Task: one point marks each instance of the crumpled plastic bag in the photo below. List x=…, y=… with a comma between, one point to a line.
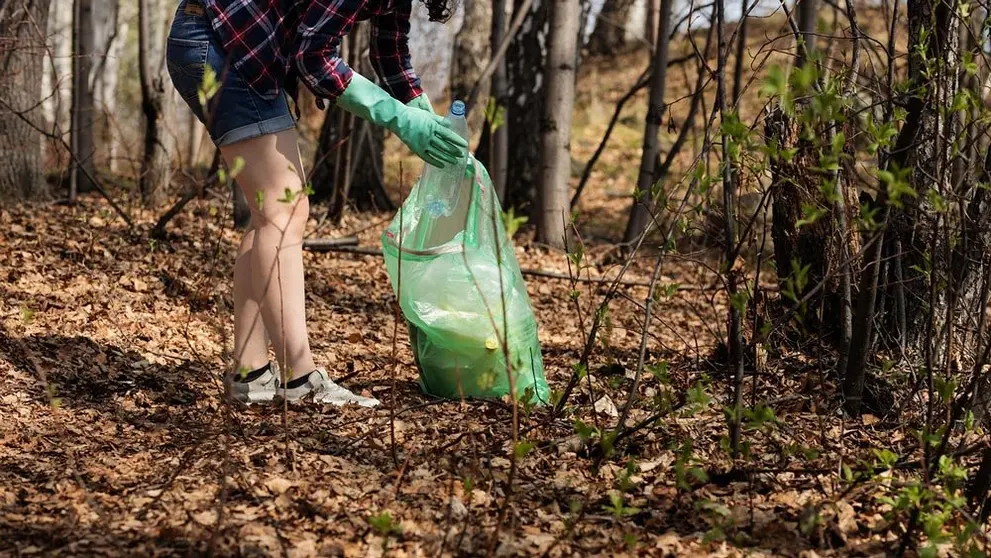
x=459, y=285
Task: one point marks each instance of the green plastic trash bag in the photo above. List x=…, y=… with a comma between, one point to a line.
x=461, y=291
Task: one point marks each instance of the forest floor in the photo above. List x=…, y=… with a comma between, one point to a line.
x=114, y=437
x=129, y=448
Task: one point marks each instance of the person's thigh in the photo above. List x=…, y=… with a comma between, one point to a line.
x=269, y=166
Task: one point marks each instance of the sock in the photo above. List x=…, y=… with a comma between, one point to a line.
x=297, y=382
x=253, y=375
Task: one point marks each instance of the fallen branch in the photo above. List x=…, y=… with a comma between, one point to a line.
x=349, y=244
x=606, y=280
x=329, y=244
x=158, y=231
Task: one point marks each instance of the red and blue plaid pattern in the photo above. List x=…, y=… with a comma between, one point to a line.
x=270, y=41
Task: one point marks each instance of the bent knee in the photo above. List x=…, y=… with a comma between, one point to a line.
x=286, y=208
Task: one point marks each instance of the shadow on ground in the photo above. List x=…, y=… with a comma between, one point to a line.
x=82, y=372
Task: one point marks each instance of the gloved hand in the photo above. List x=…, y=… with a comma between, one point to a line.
x=421, y=102
x=425, y=133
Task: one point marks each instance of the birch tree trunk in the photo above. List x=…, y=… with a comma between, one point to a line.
x=941, y=277
x=642, y=199
x=194, y=139
x=555, y=177
x=22, y=28
x=109, y=36
x=935, y=77
x=57, y=68
x=156, y=162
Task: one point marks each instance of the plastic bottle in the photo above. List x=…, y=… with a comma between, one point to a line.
x=445, y=184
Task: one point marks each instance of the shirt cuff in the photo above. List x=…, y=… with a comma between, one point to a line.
x=403, y=88
x=327, y=83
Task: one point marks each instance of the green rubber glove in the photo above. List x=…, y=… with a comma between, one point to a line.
x=425, y=133
x=421, y=102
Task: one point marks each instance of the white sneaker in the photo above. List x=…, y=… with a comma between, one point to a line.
x=261, y=388
x=324, y=390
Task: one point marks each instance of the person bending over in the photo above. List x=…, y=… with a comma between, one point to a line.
x=259, y=50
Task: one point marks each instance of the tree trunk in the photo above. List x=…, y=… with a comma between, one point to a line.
x=609, y=35
x=156, y=163
x=556, y=137
x=643, y=198
x=83, y=110
x=653, y=22
x=347, y=165
x=498, y=140
x=110, y=34
x=471, y=54
x=741, y=52
x=524, y=104
x=917, y=224
x=22, y=31
x=194, y=131
x=807, y=17
x=980, y=486
x=805, y=253
x=941, y=280
x=57, y=68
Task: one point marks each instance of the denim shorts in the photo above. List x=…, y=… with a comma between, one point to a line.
x=235, y=113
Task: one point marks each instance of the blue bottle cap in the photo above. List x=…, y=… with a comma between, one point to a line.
x=458, y=108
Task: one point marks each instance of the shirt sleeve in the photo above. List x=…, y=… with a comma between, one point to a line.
x=389, y=53
x=318, y=52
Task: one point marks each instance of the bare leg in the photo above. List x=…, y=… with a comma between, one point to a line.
x=250, y=337
x=271, y=168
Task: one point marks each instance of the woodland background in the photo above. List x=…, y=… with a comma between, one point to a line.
x=755, y=235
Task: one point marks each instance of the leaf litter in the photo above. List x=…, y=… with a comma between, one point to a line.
x=115, y=439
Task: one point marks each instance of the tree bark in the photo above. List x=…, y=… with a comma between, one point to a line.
x=499, y=138
x=57, y=68
x=917, y=224
x=471, y=53
x=22, y=32
x=194, y=131
x=156, y=163
x=109, y=34
x=941, y=280
x=808, y=12
x=643, y=198
x=82, y=141
x=653, y=22
x=854, y=377
x=525, y=104
x=741, y=52
x=556, y=137
x=805, y=253
x=609, y=35
x=348, y=163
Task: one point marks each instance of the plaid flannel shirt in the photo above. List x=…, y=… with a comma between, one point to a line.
x=271, y=42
